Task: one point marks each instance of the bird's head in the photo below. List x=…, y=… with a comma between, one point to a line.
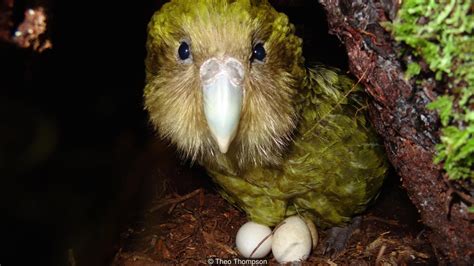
x=222, y=77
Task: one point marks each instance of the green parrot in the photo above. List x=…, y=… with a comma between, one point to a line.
x=226, y=83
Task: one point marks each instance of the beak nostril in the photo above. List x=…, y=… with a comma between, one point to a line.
x=235, y=68
x=209, y=70
x=213, y=67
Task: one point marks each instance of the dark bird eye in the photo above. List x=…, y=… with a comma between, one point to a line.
x=259, y=52
x=183, y=51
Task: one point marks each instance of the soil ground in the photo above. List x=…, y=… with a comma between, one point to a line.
x=189, y=229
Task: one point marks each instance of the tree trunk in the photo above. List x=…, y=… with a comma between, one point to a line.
x=409, y=130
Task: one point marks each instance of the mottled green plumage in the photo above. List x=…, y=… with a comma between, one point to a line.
x=332, y=170
x=303, y=144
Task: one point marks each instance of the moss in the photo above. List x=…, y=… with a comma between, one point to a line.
x=413, y=69
x=440, y=33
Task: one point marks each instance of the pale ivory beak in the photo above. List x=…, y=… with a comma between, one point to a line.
x=222, y=90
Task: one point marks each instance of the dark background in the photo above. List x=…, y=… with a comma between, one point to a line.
x=75, y=144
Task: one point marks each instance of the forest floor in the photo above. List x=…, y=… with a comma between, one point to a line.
x=193, y=228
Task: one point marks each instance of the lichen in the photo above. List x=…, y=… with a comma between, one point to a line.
x=440, y=34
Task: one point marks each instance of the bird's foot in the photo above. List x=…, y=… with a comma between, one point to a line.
x=338, y=237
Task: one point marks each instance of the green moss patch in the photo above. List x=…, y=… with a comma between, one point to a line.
x=441, y=34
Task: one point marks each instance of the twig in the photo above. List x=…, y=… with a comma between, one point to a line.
x=133, y=256
x=117, y=256
x=378, y=219
x=175, y=200
x=380, y=254
x=141, y=257
x=209, y=238
x=173, y=206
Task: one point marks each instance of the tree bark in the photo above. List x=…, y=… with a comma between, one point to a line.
x=409, y=130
